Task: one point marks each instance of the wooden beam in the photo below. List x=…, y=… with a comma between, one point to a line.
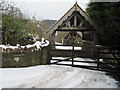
x=52, y=38
x=69, y=17
x=75, y=20
x=81, y=23
x=64, y=28
x=83, y=20
x=71, y=28
x=80, y=30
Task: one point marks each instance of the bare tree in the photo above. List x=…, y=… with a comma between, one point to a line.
x=4, y=5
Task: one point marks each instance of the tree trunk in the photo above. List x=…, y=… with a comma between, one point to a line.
x=5, y=39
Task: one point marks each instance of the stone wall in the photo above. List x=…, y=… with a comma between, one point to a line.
x=25, y=59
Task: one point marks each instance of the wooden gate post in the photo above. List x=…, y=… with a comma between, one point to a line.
x=52, y=39
x=88, y=47
x=49, y=54
x=72, y=55
x=98, y=54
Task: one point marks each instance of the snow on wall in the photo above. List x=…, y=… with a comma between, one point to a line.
x=38, y=44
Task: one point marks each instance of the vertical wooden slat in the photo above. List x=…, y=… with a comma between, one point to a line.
x=52, y=38
x=73, y=55
x=82, y=35
x=49, y=57
x=75, y=20
x=98, y=58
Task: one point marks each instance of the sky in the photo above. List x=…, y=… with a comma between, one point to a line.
x=47, y=9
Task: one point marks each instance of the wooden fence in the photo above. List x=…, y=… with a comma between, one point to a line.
x=106, y=64
x=110, y=59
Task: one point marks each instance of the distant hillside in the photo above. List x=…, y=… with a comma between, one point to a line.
x=49, y=23
x=45, y=25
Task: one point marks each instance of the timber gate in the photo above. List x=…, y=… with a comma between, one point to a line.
x=99, y=61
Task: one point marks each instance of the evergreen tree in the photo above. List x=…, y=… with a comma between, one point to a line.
x=107, y=16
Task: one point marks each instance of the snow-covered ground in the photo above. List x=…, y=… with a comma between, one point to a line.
x=53, y=76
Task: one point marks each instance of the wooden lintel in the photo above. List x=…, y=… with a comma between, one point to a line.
x=71, y=28
x=74, y=29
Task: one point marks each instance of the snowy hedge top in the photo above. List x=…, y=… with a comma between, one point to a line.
x=38, y=44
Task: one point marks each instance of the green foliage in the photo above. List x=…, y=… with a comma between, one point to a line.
x=13, y=29
x=107, y=16
x=44, y=26
x=18, y=29
x=11, y=23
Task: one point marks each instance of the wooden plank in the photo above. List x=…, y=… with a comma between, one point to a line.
x=59, y=45
x=52, y=38
x=109, y=53
x=65, y=50
x=114, y=56
x=91, y=68
x=49, y=54
x=60, y=50
x=109, y=68
x=109, y=58
x=106, y=68
x=60, y=60
x=73, y=30
x=64, y=28
x=109, y=63
x=75, y=20
x=73, y=55
x=96, y=62
x=85, y=61
x=107, y=47
x=98, y=54
x=75, y=61
x=76, y=65
x=84, y=56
